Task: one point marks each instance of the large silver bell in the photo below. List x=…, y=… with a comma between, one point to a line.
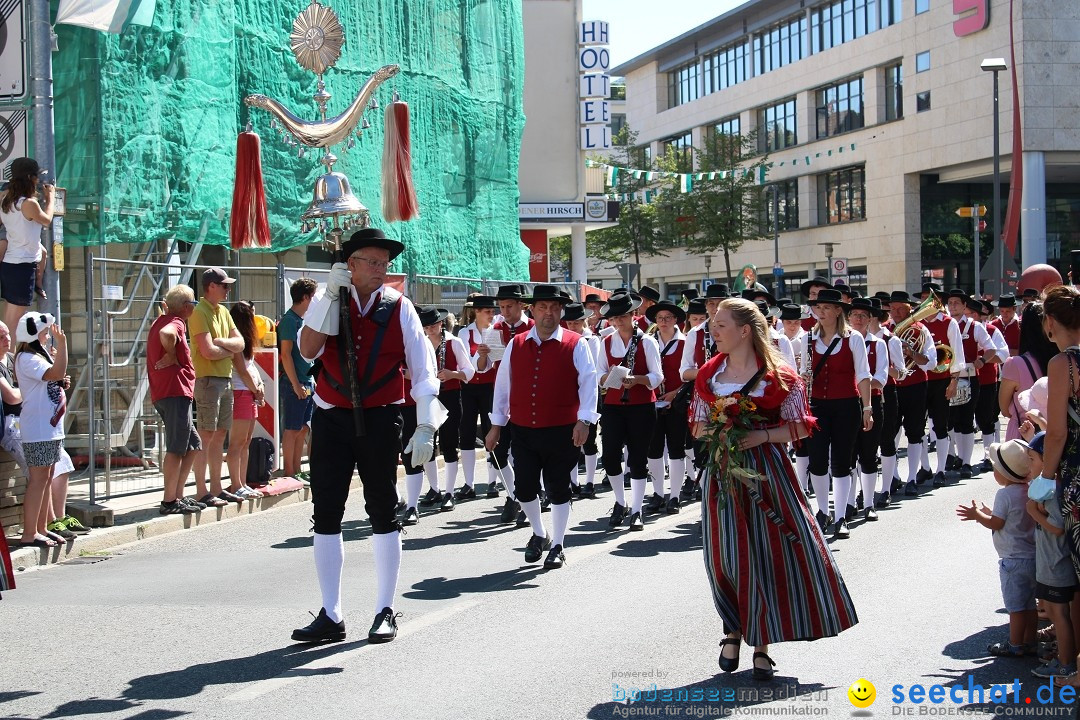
x=333, y=197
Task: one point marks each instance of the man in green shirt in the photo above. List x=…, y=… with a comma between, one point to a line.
x=214, y=341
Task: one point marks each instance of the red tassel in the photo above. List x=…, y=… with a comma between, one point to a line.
x=399, y=195
x=249, y=226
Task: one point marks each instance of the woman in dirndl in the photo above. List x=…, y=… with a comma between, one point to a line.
x=773, y=577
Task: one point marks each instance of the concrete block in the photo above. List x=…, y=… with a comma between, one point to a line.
x=91, y=515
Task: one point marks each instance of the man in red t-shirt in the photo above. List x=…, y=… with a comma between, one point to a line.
x=172, y=390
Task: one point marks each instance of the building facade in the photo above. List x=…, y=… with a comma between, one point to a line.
x=878, y=124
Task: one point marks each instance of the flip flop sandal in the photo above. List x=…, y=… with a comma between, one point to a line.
x=38, y=543
x=1066, y=681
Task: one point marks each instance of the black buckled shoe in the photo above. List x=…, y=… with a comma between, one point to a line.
x=763, y=673
x=464, y=493
x=522, y=519
x=851, y=513
x=447, y=503
x=896, y=486
x=923, y=475
x=952, y=462
x=729, y=665
x=555, y=558
x=938, y=480
x=870, y=514
x=966, y=472
x=636, y=523
x=985, y=466
x=618, y=514
x=822, y=521
x=672, y=506
x=384, y=629
x=840, y=530
x=536, y=547
x=401, y=505
x=687, y=490
x=411, y=517
x=883, y=500
x=655, y=504
x=493, y=490
x=575, y=490
x=321, y=629
x=433, y=496
x=509, y=511
x=588, y=492
x=911, y=489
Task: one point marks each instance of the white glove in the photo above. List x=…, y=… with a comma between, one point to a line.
x=421, y=445
x=339, y=278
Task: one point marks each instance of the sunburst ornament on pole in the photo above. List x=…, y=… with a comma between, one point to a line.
x=317, y=38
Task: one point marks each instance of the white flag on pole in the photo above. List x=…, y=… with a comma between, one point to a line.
x=110, y=16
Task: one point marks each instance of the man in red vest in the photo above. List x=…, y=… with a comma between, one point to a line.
x=387, y=334
x=1007, y=323
x=549, y=423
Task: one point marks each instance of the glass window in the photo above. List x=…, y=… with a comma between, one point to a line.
x=779, y=45
x=842, y=21
x=727, y=133
x=729, y=126
x=778, y=125
x=725, y=67
x=683, y=84
x=682, y=148
x=921, y=6
x=787, y=203
x=894, y=92
x=840, y=108
x=922, y=101
x=842, y=196
x=618, y=122
x=922, y=62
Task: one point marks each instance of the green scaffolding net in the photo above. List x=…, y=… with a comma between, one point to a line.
x=146, y=124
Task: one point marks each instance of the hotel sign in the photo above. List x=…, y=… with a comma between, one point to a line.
x=594, y=85
x=975, y=16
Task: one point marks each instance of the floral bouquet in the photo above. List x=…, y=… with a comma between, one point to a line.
x=730, y=418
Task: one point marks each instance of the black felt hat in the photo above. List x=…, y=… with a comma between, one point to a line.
x=620, y=304
x=902, y=296
x=769, y=311
x=431, y=316
x=791, y=311
x=678, y=312
x=649, y=293
x=696, y=307
x=1030, y=293
x=482, y=302
x=690, y=293
x=576, y=311
x=1006, y=301
x=829, y=296
x=717, y=290
x=927, y=287
x=957, y=293
x=866, y=304
x=371, y=237
x=548, y=292
x=510, y=292
x=812, y=282
x=752, y=294
x=593, y=298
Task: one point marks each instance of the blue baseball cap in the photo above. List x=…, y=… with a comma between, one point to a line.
x=1036, y=443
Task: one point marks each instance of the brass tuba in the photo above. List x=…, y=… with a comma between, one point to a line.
x=912, y=337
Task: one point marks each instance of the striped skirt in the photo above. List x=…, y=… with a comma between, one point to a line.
x=773, y=577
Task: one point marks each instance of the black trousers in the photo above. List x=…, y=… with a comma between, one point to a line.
x=546, y=451
x=670, y=429
x=889, y=425
x=911, y=412
x=628, y=426
x=336, y=453
x=987, y=410
x=839, y=424
x=962, y=417
x=937, y=406
x=408, y=427
x=476, y=403
x=446, y=438
x=869, y=442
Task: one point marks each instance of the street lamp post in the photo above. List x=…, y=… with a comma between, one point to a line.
x=708, y=264
x=778, y=269
x=828, y=259
x=996, y=65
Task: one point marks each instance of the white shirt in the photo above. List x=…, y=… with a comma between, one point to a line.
x=461, y=354
x=586, y=372
x=253, y=371
x=41, y=399
x=419, y=355
x=858, y=352
x=896, y=348
x=973, y=328
x=784, y=345
x=24, y=236
x=618, y=350
x=592, y=340
x=690, y=348
x=797, y=346
x=880, y=372
x=472, y=334
x=998, y=338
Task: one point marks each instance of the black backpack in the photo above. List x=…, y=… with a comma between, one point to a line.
x=260, y=461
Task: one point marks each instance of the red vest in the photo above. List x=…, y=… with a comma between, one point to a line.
x=988, y=373
x=670, y=364
x=871, y=360
x=329, y=384
x=939, y=331
x=544, y=382
x=967, y=338
x=836, y=380
x=700, y=356
x=509, y=332
x=488, y=376
x=1010, y=333
x=917, y=375
x=639, y=394
x=450, y=364
x=808, y=324
x=642, y=322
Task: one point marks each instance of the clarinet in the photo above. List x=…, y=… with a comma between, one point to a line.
x=628, y=361
x=442, y=355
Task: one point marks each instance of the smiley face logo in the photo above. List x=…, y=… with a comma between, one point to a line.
x=862, y=693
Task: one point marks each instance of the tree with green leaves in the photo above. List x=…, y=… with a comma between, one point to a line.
x=723, y=211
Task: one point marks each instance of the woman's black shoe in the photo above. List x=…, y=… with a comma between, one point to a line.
x=729, y=665
x=384, y=629
x=636, y=522
x=589, y=492
x=411, y=517
x=765, y=673
x=618, y=514
x=536, y=547
x=433, y=496
x=321, y=629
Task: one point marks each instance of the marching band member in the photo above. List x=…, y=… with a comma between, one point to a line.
x=1007, y=323
x=889, y=405
x=941, y=385
x=810, y=290
x=629, y=411
x=910, y=385
x=550, y=421
x=979, y=351
x=839, y=377
x=453, y=368
x=671, y=427
x=697, y=349
x=986, y=409
x=863, y=317
x=649, y=297
x=593, y=302
x=577, y=318
x=779, y=340
x=696, y=314
x=791, y=317
x=511, y=323
x=476, y=395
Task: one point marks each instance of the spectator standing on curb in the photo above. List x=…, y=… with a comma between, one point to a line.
x=23, y=216
x=214, y=341
x=172, y=391
x=248, y=395
x=296, y=385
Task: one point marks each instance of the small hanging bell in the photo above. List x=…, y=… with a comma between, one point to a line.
x=374, y=104
x=351, y=144
x=300, y=152
x=365, y=125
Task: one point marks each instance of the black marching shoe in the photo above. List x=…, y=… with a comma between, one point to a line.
x=923, y=475
x=636, y=523
x=729, y=665
x=411, y=517
x=509, y=511
x=447, y=503
x=985, y=466
x=966, y=472
x=687, y=490
x=575, y=490
x=840, y=530
x=433, y=496
x=555, y=558
x=522, y=519
x=321, y=629
x=655, y=504
x=588, y=492
x=535, y=548
x=618, y=514
x=672, y=506
x=464, y=493
x=870, y=514
x=822, y=521
x=606, y=482
x=493, y=490
x=851, y=514
x=763, y=673
x=384, y=629
x=938, y=481
x=911, y=489
x=896, y=486
x=882, y=500
x=952, y=462
x=400, y=506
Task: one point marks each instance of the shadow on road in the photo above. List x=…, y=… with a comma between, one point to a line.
x=686, y=539
x=442, y=588
x=12, y=695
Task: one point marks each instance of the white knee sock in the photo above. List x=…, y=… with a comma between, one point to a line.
x=431, y=469
x=451, y=478
x=590, y=468
x=656, y=469
x=967, y=447
x=954, y=438
x=914, y=460
x=574, y=476
x=387, y=547
x=853, y=488
x=841, y=488
x=413, y=485
x=943, y=446
x=802, y=475
x=560, y=519
x=988, y=440
x=532, y=511
x=997, y=433
x=493, y=475
x=507, y=476
x=468, y=466
x=637, y=487
x=617, y=488
x=821, y=490
x=329, y=560
x=925, y=452
x=677, y=472
x=888, y=468
x=869, y=482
